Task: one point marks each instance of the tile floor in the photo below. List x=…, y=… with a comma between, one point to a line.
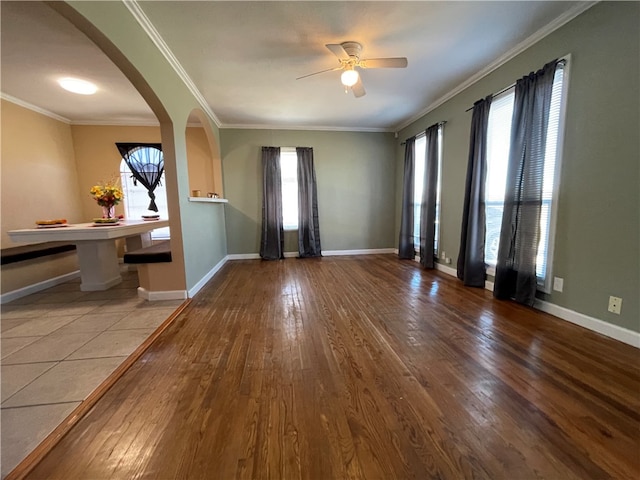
x=57, y=346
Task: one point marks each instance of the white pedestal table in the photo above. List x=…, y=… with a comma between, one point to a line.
x=96, y=246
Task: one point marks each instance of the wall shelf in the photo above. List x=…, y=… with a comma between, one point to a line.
x=208, y=200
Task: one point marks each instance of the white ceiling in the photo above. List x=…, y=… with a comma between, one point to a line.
x=244, y=57
x=39, y=46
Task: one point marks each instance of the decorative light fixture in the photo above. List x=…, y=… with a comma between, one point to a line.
x=75, y=85
x=349, y=77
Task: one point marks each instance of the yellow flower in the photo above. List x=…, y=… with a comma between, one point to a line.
x=107, y=193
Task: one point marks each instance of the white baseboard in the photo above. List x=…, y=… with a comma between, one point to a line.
x=198, y=286
x=454, y=273
x=326, y=253
x=600, y=326
x=255, y=256
x=594, y=324
x=365, y=251
x=448, y=270
x=243, y=256
x=162, y=295
x=38, y=287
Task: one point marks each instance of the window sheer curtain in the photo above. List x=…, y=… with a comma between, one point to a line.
x=308, y=225
x=272, y=238
x=520, y=231
x=146, y=162
x=429, y=196
x=471, y=266
x=406, y=249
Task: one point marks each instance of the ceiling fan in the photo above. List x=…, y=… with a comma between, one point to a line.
x=348, y=54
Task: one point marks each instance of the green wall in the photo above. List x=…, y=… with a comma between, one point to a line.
x=597, y=239
x=359, y=174
x=355, y=172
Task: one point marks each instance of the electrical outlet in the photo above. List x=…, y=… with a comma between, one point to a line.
x=443, y=255
x=558, y=284
x=447, y=260
x=615, y=305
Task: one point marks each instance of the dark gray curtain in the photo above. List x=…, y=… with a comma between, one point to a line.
x=471, y=266
x=406, y=249
x=428, y=203
x=308, y=226
x=520, y=231
x=146, y=162
x=272, y=241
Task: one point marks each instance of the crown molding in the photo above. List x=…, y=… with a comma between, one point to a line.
x=151, y=123
x=139, y=15
x=55, y=116
x=158, y=41
x=117, y=123
x=308, y=128
x=563, y=19
x=34, y=108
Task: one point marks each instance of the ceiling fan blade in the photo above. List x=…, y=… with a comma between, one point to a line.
x=321, y=71
x=338, y=50
x=358, y=88
x=397, y=62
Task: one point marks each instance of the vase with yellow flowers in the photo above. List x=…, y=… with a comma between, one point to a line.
x=107, y=195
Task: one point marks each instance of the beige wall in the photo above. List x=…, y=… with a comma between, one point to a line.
x=39, y=179
x=199, y=161
x=29, y=272
x=116, y=32
x=48, y=168
x=39, y=182
x=98, y=159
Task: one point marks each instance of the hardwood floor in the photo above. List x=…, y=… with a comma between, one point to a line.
x=361, y=367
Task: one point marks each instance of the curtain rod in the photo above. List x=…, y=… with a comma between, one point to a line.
x=494, y=95
x=438, y=123
x=562, y=61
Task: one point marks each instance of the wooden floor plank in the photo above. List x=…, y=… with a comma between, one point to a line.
x=361, y=367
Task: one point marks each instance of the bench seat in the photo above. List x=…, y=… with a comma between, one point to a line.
x=37, y=250
x=156, y=253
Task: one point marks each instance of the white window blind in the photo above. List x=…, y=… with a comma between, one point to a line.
x=418, y=181
x=289, y=175
x=438, y=193
x=418, y=187
x=498, y=140
x=550, y=175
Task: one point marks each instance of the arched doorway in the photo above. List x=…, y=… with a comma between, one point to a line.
x=175, y=276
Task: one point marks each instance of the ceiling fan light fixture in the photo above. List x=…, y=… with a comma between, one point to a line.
x=348, y=54
x=76, y=85
x=349, y=78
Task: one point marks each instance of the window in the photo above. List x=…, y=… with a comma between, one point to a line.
x=289, y=173
x=418, y=186
x=136, y=200
x=436, y=239
x=498, y=139
x=418, y=183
